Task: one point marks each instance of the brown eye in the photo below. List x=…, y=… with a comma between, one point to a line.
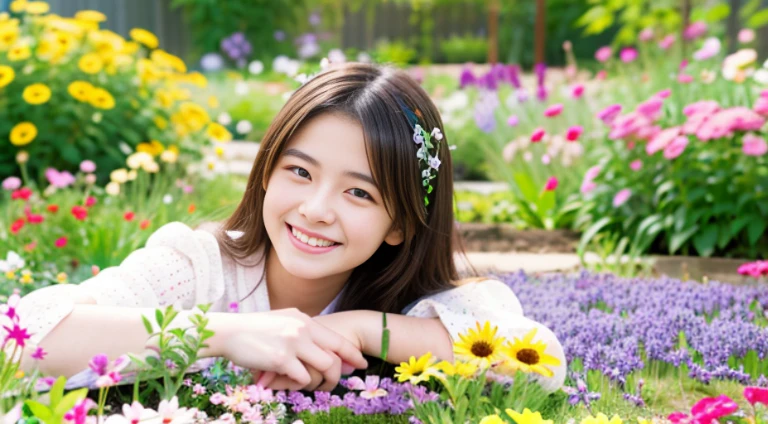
x=361, y=193
x=301, y=172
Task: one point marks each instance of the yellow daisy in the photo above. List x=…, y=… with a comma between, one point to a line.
x=101, y=99
x=602, y=419
x=36, y=94
x=527, y=417
x=480, y=347
x=416, y=370
x=23, y=133
x=463, y=369
x=80, y=90
x=90, y=63
x=19, y=52
x=144, y=37
x=90, y=16
x=217, y=132
x=492, y=419
x=7, y=75
x=8, y=35
x=17, y=6
x=37, y=7
x=527, y=356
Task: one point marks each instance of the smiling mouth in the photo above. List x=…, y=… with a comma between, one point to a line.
x=310, y=241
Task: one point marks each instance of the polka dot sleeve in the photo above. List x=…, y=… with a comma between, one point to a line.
x=490, y=300
x=177, y=266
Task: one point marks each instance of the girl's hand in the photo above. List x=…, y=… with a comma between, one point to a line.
x=286, y=342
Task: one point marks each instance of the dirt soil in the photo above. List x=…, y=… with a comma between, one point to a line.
x=505, y=238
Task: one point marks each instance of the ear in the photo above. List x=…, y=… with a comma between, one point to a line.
x=394, y=237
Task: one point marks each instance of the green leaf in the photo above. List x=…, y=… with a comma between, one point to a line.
x=758, y=20
x=739, y=224
x=705, y=241
x=70, y=400
x=724, y=235
x=147, y=324
x=718, y=12
x=663, y=188
x=678, y=239
x=39, y=410
x=57, y=391
x=591, y=232
x=546, y=202
x=755, y=229
x=527, y=188
x=159, y=317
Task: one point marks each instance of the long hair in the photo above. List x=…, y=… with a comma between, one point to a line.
x=384, y=101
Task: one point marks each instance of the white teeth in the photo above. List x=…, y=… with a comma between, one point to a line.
x=312, y=241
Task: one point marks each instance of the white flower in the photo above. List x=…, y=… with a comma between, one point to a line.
x=434, y=163
x=244, y=127
x=12, y=262
x=224, y=119
x=761, y=76
x=167, y=199
x=426, y=173
x=256, y=67
x=324, y=63
x=337, y=56
x=241, y=88
x=96, y=117
x=363, y=57
x=211, y=62
x=437, y=134
x=113, y=188
x=125, y=148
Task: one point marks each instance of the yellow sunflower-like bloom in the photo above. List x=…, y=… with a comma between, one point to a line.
x=154, y=148
x=194, y=116
x=144, y=37
x=36, y=94
x=23, y=133
x=8, y=35
x=90, y=63
x=463, y=369
x=7, y=74
x=492, y=419
x=602, y=419
x=37, y=8
x=527, y=417
x=164, y=59
x=90, y=16
x=160, y=122
x=416, y=370
x=101, y=99
x=19, y=52
x=480, y=347
x=527, y=356
x=217, y=132
x=18, y=6
x=26, y=277
x=80, y=90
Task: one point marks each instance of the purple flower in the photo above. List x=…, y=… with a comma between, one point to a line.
x=434, y=163
x=279, y=35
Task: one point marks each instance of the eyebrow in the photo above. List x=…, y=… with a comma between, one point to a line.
x=301, y=155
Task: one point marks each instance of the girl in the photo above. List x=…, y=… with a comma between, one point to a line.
x=348, y=213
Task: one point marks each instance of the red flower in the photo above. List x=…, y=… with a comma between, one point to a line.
x=61, y=242
x=90, y=201
x=538, y=134
x=755, y=395
x=574, y=133
x=95, y=270
x=34, y=218
x=144, y=224
x=79, y=212
x=128, y=216
x=17, y=225
x=53, y=208
x=22, y=193
x=551, y=184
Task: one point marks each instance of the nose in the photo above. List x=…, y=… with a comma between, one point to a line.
x=317, y=207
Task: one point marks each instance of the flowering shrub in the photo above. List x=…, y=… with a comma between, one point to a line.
x=71, y=91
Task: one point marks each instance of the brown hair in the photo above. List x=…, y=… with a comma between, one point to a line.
x=371, y=95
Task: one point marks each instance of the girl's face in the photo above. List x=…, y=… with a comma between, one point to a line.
x=322, y=192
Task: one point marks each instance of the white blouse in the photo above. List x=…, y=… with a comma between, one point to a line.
x=185, y=267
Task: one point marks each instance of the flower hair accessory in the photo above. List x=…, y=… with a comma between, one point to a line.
x=427, y=155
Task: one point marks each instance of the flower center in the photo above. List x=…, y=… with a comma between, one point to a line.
x=482, y=349
x=528, y=356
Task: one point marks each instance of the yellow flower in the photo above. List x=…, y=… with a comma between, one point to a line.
x=220, y=152
x=213, y=102
x=160, y=122
x=463, y=369
x=147, y=70
x=480, y=347
x=90, y=63
x=217, y=132
x=7, y=75
x=90, y=16
x=164, y=98
x=61, y=278
x=527, y=417
x=193, y=116
x=197, y=79
x=166, y=60
x=37, y=7
x=18, y=6
x=19, y=374
x=8, y=35
x=19, y=52
x=526, y=356
x=23, y=133
x=154, y=148
x=416, y=370
x=80, y=90
x=101, y=98
x=144, y=37
x=492, y=419
x=36, y=94
x=10, y=275
x=602, y=419
x=26, y=277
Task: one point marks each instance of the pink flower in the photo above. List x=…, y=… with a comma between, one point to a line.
x=17, y=334
x=667, y=42
x=646, y=34
x=628, y=55
x=709, y=49
x=603, y=54
x=553, y=110
x=662, y=140
x=676, y=147
x=79, y=413
x=727, y=121
x=61, y=242
x=87, y=166
x=90, y=201
x=695, y=30
x=663, y=94
x=574, y=133
x=710, y=409
x=11, y=183
x=39, y=354
x=538, y=135
x=199, y=389
x=545, y=159
x=79, y=212
x=369, y=389
x=761, y=106
x=707, y=107
x=59, y=179
x=621, y=197
x=684, y=79
x=754, y=145
x=755, y=269
x=234, y=307
x=636, y=164
x=513, y=120
x=651, y=107
x=746, y=35
x=551, y=184
x=109, y=374
x=587, y=186
x=577, y=91
x=601, y=75
x=592, y=173
x=610, y=113
x=755, y=395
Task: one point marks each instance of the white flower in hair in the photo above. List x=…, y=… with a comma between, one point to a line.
x=418, y=138
x=437, y=134
x=425, y=173
x=434, y=162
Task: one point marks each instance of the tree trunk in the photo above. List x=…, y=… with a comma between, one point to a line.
x=540, y=31
x=733, y=26
x=493, y=31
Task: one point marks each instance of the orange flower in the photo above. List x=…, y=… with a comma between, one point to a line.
x=191, y=208
x=144, y=224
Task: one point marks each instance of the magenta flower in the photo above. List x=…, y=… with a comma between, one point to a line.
x=761, y=106
x=513, y=120
x=661, y=140
x=11, y=183
x=755, y=269
x=467, y=77
x=574, y=133
x=663, y=94
x=87, y=166
x=603, y=54
x=79, y=414
x=684, y=78
x=645, y=35
x=621, y=197
x=676, y=147
x=628, y=55
x=667, y=42
x=551, y=184
x=755, y=395
x=538, y=135
x=651, y=108
x=17, y=334
x=695, y=30
x=577, y=91
x=710, y=409
x=234, y=307
x=610, y=113
x=109, y=374
x=553, y=110
x=59, y=179
x=754, y=145
x=39, y=354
